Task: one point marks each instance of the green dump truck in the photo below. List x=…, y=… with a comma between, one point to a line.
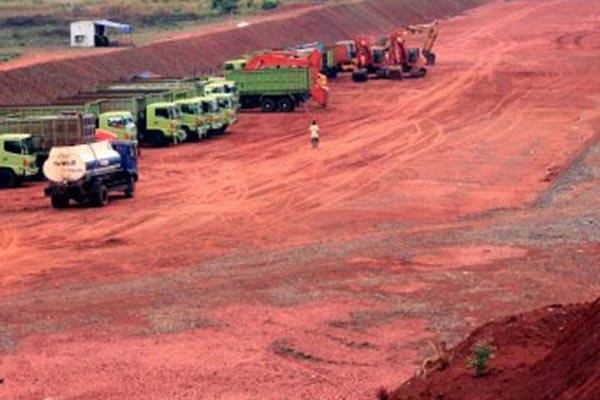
x=158, y=120
x=26, y=142
x=120, y=123
x=274, y=89
x=181, y=91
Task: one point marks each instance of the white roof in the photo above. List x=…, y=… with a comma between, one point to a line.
x=124, y=28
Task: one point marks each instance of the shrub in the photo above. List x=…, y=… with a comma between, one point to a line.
x=482, y=354
x=225, y=6
x=269, y=4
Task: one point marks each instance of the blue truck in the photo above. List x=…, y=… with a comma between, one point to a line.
x=87, y=173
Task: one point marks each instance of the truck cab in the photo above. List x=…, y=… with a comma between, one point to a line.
x=225, y=89
x=121, y=123
x=194, y=119
x=239, y=63
x=17, y=159
x=215, y=115
x=164, y=124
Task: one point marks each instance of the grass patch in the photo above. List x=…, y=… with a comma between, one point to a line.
x=40, y=23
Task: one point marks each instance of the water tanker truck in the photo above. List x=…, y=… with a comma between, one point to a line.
x=89, y=173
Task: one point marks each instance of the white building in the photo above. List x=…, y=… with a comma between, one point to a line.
x=95, y=33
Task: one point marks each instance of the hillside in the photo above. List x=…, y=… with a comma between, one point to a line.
x=206, y=50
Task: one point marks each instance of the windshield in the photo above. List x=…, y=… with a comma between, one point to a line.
x=230, y=88
x=27, y=146
x=224, y=103
x=173, y=113
x=210, y=107
x=188, y=109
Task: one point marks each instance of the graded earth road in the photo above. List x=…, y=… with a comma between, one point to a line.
x=250, y=266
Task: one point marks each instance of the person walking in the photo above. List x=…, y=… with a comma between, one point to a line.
x=314, y=134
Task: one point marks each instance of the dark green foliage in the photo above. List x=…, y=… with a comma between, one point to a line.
x=482, y=354
x=225, y=6
x=269, y=4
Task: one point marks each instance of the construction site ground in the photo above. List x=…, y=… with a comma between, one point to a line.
x=253, y=267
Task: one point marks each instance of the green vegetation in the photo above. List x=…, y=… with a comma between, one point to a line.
x=41, y=23
x=482, y=354
x=269, y=4
x=7, y=56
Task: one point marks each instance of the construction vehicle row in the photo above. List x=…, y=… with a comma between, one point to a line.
x=156, y=111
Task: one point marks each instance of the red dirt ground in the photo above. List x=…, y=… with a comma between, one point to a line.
x=551, y=353
x=250, y=266
x=34, y=81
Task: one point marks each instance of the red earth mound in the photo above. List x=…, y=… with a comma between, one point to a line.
x=206, y=50
x=550, y=353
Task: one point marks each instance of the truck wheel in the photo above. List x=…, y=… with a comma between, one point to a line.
x=7, y=178
x=157, y=139
x=130, y=189
x=100, y=196
x=267, y=105
x=59, y=201
x=360, y=75
x=331, y=73
x=285, y=105
x=191, y=136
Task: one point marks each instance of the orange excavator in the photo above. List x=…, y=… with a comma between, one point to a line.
x=388, y=60
x=429, y=32
x=370, y=59
x=290, y=59
x=402, y=61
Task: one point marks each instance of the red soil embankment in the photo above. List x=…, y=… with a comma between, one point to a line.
x=43, y=82
x=550, y=353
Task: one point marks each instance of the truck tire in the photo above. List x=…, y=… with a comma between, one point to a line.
x=191, y=136
x=157, y=139
x=100, y=196
x=360, y=75
x=268, y=105
x=130, y=189
x=59, y=201
x=8, y=178
x=285, y=105
x=331, y=73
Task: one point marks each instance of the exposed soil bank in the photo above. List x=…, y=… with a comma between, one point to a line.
x=550, y=353
x=189, y=54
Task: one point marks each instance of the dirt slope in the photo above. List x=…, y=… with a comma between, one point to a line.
x=207, y=50
x=251, y=267
x=551, y=353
